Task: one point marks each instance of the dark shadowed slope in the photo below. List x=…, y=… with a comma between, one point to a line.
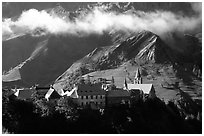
x=50, y=57
x=17, y=50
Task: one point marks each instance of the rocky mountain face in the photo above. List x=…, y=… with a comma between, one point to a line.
x=15, y=8
x=42, y=58
x=139, y=49
x=144, y=46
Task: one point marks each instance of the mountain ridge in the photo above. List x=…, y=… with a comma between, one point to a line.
x=145, y=46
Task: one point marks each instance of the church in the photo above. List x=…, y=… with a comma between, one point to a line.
x=147, y=90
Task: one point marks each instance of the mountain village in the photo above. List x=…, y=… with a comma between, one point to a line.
x=102, y=67
x=97, y=95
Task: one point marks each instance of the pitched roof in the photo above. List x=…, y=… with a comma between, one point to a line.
x=74, y=93
x=49, y=92
x=10, y=92
x=118, y=93
x=42, y=92
x=146, y=88
x=24, y=93
x=90, y=89
x=52, y=94
x=58, y=87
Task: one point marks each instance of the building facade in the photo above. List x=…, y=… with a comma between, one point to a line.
x=102, y=94
x=117, y=96
x=90, y=94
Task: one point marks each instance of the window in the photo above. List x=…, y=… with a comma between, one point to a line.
x=81, y=97
x=96, y=96
x=91, y=96
x=82, y=104
x=87, y=97
x=101, y=97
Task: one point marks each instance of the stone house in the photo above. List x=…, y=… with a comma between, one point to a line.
x=90, y=94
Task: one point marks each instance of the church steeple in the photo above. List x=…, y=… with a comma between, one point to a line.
x=138, y=78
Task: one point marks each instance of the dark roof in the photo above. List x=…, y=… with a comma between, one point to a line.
x=118, y=93
x=42, y=88
x=90, y=89
x=42, y=91
x=10, y=92
x=25, y=93
x=54, y=95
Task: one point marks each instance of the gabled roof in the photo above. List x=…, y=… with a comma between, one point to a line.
x=74, y=93
x=24, y=93
x=10, y=92
x=90, y=89
x=146, y=88
x=52, y=94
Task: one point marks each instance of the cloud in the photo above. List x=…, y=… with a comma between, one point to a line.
x=99, y=20
x=197, y=7
x=33, y=19
x=6, y=30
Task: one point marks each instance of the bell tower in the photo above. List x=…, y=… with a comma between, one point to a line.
x=138, y=78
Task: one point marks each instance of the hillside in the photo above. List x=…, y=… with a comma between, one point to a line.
x=160, y=65
x=49, y=54
x=47, y=57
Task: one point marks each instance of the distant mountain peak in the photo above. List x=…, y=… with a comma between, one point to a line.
x=144, y=46
x=59, y=11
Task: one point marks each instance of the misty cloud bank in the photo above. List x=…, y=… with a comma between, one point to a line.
x=99, y=20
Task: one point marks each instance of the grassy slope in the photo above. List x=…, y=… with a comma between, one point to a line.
x=154, y=74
